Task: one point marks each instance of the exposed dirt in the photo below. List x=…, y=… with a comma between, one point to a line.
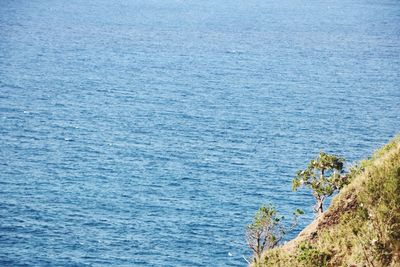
x=332, y=217
x=328, y=219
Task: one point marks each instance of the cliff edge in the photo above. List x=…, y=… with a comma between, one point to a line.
x=362, y=225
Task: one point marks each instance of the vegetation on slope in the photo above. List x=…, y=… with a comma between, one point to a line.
x=361, y=226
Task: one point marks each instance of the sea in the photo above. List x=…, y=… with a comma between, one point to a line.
x=148, y=133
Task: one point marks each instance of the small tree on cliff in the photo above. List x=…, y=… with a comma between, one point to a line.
x=324, y=176
x=267, y=230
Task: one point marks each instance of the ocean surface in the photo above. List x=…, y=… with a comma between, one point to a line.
x=148, y=133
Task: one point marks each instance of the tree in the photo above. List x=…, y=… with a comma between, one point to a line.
x=324, y=176
x=267, y=229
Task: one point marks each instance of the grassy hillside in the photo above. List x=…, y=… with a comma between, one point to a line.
x=361, y=226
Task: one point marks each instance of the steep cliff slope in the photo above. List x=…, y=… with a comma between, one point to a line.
x=361, y=226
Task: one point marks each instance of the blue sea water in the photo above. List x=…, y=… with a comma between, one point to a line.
x=147, y=133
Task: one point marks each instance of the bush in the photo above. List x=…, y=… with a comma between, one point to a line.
x=267, y=230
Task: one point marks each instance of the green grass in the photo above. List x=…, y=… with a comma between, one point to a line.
x=361, y=226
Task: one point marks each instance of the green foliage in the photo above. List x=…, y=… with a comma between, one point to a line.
x=267, y=229
x=309, y=255
x=324, y=176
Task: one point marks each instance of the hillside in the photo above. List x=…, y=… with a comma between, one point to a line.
x=362, y=225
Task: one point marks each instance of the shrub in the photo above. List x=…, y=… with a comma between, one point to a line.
x=267, y=230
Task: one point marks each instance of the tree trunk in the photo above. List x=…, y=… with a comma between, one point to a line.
x=318, y=208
